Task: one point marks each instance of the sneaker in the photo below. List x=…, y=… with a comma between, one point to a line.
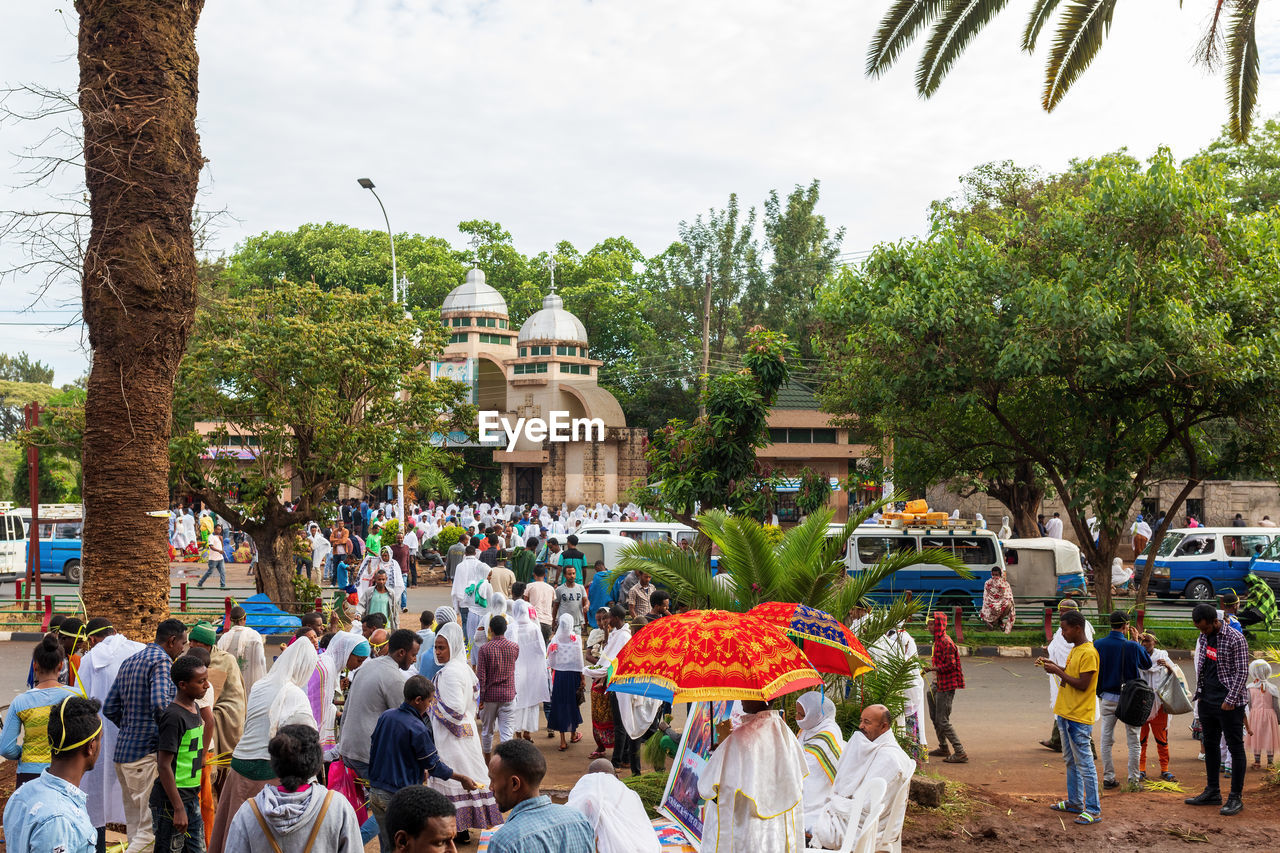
x=1110, y=784
x=1207, y=797
x=1234, y=805
x=958, y=758
x=940, y=752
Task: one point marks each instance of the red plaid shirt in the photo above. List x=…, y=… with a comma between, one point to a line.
x=496, y=670
x=947, y=674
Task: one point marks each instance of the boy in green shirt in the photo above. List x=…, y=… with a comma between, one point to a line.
x=175, y=797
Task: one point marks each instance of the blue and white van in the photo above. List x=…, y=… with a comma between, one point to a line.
x=979, y=549
x=1201, y=563
x=59, y=537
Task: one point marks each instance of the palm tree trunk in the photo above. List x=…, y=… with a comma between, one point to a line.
x=138, y=68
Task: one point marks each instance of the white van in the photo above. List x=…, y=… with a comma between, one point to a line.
x=1201, y=563
x=642, y=531
x=13, y=543
x=601, y=546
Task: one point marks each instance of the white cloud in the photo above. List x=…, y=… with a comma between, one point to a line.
x=566, y=119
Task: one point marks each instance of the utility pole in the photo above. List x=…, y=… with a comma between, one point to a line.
x=706, y=345
x=32, y=412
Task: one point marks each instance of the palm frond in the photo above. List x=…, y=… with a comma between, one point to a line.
x=1081, y=31
x=749, y=561
x=685, y=575
x=1040, y=14
x=880, y=620
x=1242, y=68
x=800, y=556
x=858, y=587
x=959, y=23
x=897, y=28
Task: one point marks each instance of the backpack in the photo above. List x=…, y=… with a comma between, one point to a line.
x=1136, y=701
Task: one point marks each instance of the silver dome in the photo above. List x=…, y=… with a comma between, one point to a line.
x=553, y=323
x=474, y=295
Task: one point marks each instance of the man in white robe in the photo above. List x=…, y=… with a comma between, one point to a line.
x=871, y=753
x=753, y=785
x=616, y=815
x=246, y=646
x=98, y=670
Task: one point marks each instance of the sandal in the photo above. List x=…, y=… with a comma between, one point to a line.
x=562, y=747
x=1085, y=819
x=577, y=736
x=1168, y=777
x=1064, y=806
x=599, y=753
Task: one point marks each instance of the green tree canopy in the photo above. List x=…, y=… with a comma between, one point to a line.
x=314, y=376
x=1132, y=313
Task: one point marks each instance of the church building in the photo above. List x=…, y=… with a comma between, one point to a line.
x=542, y=371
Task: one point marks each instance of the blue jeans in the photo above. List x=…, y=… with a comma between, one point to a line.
x=1082, y=774
x=162, y=825
x=222, y=573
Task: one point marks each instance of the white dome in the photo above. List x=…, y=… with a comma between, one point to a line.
x=474, y=295
x=553, y=323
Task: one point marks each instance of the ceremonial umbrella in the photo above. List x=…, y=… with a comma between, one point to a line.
x=829, y=645
x=711, y=655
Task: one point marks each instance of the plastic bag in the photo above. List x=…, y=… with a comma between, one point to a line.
x=343, y=780
x=1173, y=693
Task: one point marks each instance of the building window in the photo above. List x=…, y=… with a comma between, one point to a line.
x=563, y=350
x=456, y=322
x=490, y=322
x=502, y=324
x=524, y=369
x=802, y=436
x=581, y=369
x=524, y=352
x=458, y=338
x=486, y=338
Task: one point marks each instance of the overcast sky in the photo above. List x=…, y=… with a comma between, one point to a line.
x=575, y=120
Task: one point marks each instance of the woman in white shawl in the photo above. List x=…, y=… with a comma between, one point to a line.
x=568, y=689
x=822, y=742
x=346, y=652
x=531, y=668
x=278, y=699
x=496, y=606
x=457, y=737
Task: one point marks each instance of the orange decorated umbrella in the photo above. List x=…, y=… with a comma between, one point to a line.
x=827, y=643
x=711, y=655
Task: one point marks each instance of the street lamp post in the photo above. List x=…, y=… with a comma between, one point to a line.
x=398, y=294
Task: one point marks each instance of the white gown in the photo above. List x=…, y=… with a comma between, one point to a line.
x=753, y=786
x=98, y=670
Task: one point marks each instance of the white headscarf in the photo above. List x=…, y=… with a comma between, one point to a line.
x=565, y=652
x=331, y=664
x=278, y=699
x=616, y=814
x=531, y=665
x=819, y=715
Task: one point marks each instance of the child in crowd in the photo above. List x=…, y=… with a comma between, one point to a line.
x=1158, y=725
x=175, y=796
x=1263, y=714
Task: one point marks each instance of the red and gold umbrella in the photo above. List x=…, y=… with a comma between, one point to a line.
x=711, y=655
x=827, y=643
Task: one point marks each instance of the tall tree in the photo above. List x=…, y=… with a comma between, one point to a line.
x=1252, y=168
x=1081, y=28
x=17, y=371
x=803, y=254
x=314, y=378
x=1133, y=313
x=138, y=88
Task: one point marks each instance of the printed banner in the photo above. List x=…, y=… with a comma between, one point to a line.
x=680, y=800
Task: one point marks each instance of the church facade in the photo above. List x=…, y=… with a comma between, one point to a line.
x=540, y=371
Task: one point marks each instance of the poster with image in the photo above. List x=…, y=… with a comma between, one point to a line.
x=680, y=800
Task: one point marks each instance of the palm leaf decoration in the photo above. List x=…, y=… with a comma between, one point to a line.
x=959, y=23
x=1084, y=25
x=1242, y=68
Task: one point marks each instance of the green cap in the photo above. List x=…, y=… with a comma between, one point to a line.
x=202, y=632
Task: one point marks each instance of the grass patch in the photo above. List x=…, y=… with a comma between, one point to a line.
x=649, y=786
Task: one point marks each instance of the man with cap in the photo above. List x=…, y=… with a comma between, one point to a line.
x=1119, y=659
x=1059, y=651
x=228, y=689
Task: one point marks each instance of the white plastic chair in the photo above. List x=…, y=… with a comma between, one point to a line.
x=891, y=839
x=872, y=806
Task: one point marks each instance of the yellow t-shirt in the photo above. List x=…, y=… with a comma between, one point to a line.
x=1079, y=706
